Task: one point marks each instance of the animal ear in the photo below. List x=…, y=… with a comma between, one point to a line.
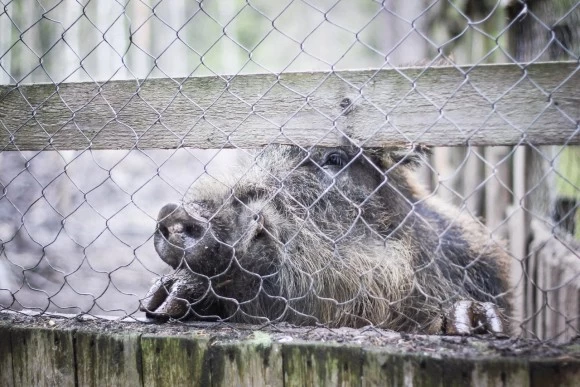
x=410, y=156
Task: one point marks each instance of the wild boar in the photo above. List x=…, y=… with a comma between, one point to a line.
x=332, y=236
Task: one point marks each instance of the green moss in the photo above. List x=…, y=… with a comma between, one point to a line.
x=567, y=165
x=568, y=168
x=321, y=364
x=175, y=360
x=261, y=339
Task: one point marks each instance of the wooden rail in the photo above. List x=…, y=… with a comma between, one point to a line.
x=504, y=104
x=49, y=351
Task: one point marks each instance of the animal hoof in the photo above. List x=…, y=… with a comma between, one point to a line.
x=473, y=317
x=171, y=296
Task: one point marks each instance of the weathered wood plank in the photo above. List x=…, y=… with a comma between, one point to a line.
x=179, y=355
x=306, y=364
x=6, y=376
x=439, y=106
x=561, y=372
x=383, y=368
x=175, y=360
x=43, y=357
x=416, y=369
x=255, y=362
x=428, y=371
x=500, y=372
x=107, y=359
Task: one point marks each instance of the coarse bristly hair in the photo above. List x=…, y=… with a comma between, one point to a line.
x=340, y=237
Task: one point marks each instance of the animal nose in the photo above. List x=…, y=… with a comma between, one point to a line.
x=187, y=228
x=174, y=221
x=167, y=210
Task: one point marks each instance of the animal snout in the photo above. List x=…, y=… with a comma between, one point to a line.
x=179, y=233
x=175, y=224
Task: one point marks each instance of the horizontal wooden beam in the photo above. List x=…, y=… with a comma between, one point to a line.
x=438, y=106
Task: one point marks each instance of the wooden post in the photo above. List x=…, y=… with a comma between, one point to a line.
x=43, y=357
x=103, y=353
x=108, y=359
x=253, y=362
x=6, y=375
x=309, y=365
x=175, y=360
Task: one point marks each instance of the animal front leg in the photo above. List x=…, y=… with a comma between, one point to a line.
x=473, y=317
x=174, y=296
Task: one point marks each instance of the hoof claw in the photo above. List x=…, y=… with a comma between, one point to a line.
x=473, y=317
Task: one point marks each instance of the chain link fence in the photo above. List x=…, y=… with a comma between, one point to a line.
x=110, y=110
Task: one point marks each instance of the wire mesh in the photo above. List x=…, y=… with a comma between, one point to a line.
x=302, y=233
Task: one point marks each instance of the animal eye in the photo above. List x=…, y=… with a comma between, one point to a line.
x=335, y=158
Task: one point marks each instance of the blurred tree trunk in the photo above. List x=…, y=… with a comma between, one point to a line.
x=540, y=30
x=470, y=30
x=415, y=49
x=413, y=52
x=546, y=30
x=139, y=62
x=177, y=17
x=5, y=43
x=22, y=17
